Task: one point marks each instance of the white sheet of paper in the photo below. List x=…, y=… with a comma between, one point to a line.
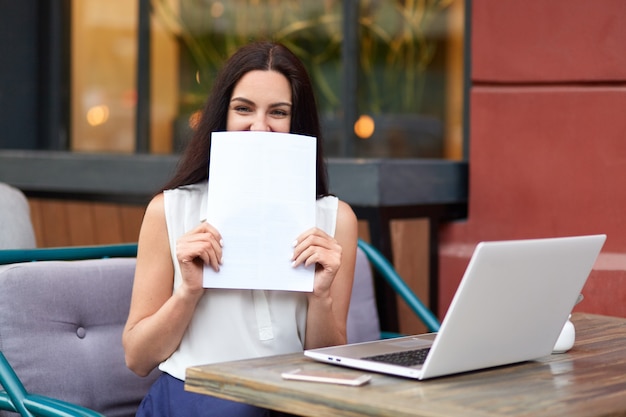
x=261, y=197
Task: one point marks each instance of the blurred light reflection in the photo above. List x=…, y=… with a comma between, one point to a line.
x=98, y=115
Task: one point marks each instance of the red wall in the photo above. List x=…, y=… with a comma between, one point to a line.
x=547, y=136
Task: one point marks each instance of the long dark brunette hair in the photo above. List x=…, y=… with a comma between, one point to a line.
x=265, y=56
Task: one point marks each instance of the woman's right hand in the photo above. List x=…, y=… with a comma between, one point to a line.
x=158, y=317
x=196, y=248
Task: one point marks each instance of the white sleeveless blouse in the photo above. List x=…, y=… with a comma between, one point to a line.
x=235, y=324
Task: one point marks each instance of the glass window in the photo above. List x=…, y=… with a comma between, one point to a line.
x=406, y=78
x=407, y=58
x=103, y=62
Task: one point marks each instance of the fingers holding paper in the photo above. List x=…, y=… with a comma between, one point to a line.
x=317, y=247
x=196, y=248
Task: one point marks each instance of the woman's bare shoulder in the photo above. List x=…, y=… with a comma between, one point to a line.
x=156, y=207
x=346, y=221
x=154, y=248
x=154, y=224
x=344, y=211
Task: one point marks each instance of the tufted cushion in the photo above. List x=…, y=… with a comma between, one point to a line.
x=61, y=327
x=363, y=322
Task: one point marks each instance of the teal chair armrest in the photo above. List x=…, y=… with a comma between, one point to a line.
x=68, y=253
x=6, y=403
x=388, y=272
x=41, y=406
x=18, y=400
x=13, y=397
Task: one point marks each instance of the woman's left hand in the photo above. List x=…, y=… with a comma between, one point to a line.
x=317, y=247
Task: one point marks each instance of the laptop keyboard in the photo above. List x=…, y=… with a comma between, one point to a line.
x=404, y=358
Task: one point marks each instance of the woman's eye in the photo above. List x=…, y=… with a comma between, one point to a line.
x=280, y=113
x=242, y=109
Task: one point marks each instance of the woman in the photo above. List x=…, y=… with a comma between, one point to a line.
x=174, y=322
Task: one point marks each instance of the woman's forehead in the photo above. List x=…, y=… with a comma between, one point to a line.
x=263, y=84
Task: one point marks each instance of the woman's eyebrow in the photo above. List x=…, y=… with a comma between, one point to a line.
x=245, y=100
x=281, y=103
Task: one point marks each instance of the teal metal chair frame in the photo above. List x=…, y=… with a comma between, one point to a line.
x=15, y=398
x=391, y=276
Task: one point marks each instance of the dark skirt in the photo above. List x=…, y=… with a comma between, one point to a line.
x=167, y=398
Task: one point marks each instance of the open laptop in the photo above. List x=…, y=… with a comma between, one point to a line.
x=510, y=307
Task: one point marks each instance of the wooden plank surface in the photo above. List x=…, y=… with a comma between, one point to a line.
x=107, y=223
x=589, y=380
x=84, y=223
x=54, y=225
x=81, y=223
x=411, y=252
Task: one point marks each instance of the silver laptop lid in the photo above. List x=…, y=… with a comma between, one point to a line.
x=512, y=302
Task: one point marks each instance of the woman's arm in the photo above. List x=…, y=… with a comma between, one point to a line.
x=159, y=316
x=335, y=258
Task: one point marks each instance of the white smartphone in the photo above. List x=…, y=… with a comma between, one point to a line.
x=328, y=377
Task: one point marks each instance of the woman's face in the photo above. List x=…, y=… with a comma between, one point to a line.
x=261, y=101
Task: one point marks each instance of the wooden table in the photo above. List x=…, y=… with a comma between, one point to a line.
x=589, y=380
